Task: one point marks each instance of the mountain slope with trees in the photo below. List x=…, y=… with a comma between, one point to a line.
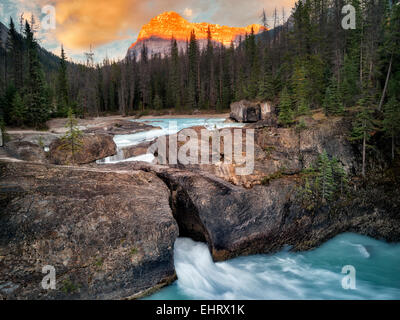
x=306, y=63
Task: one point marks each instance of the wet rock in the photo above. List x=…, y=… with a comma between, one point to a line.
x=120, y=127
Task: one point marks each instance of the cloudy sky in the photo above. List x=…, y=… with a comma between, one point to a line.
x=111, y=26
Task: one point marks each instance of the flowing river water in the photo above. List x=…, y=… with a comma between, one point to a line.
x=315, y=274
x=285, y=275
x=167, y=127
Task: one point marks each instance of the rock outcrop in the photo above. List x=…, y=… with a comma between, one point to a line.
x=120, y=127
x=108, y=234
x=236, y=221
x=157, y=34
x=25, y=150
x=43, y=139
x=245, y=111
x=261, y=113
x=93, y=147
x=277, y=151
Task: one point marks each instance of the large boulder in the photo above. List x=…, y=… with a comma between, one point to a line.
x=108, y=234
x=245, y=111
x=93, y=147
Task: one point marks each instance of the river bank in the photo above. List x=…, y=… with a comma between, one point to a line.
x=132, y=213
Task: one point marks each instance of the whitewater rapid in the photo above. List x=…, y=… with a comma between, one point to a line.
x=167, y=127
x=313, y=275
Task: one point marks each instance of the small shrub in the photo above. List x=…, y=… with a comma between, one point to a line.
x=69, y=287
x=267, y=179
x=99, y=262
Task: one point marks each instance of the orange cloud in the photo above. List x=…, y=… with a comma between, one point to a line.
x=81, y=23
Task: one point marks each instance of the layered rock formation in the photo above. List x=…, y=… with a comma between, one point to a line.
x=277, y=151
x=157, y=34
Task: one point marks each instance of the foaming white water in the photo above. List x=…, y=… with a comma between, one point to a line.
x=166, y=129
x=286, y=275
x=134, y=139
x=238, y=280
x=148, y=157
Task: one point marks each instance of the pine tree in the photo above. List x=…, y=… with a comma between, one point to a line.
x=363, y=127
x=332, y=102
x=325, y=180
x=253, y=63
x=307, y=193
x=391, y=122
x=63, y=99
x=349, y=87
x=175, y=75
x=72, y=140
x=391, y=46
x=193, y=71
x=303, y=108
x=38, y=108
x=210, y=91
x=285, y=108
x=315, y=70
x=266, y=90
x=18, y=111
x=157, y=102
x=15, y=51
x=301, y=87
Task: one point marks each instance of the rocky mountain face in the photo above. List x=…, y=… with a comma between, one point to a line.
x=157, y=34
